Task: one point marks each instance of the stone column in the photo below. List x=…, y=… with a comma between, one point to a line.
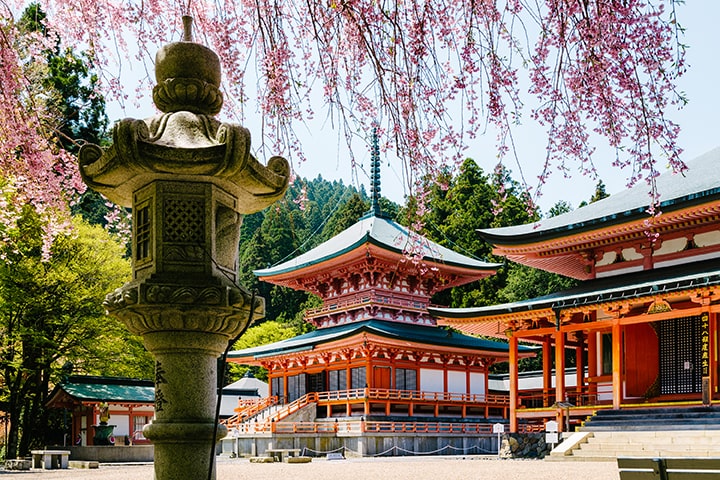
x=185, y=393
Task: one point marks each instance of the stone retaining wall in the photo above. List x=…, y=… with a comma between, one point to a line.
x=524, y=445
x=111, y=454
x=366, y=445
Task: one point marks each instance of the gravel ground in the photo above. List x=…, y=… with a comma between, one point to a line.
x=404, y=468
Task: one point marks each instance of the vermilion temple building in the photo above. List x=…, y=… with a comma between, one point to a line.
x=377, y=355
x=644, y=321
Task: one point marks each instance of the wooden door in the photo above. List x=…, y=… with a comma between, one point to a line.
x=381, y=377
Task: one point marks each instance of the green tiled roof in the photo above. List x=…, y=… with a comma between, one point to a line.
x=110, y=389
x=423, y=335
x=385, y=233
x=699, y=184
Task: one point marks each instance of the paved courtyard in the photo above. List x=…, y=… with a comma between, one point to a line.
x=404, y=468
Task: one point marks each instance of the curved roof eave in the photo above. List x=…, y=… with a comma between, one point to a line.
x=698, y=185
x=412, y=333
x=372, y=234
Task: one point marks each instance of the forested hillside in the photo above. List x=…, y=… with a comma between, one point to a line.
x=457, y=205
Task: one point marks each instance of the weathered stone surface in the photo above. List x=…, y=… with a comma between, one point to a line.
x=18, y=464
x=530, y=445
x=189, y=179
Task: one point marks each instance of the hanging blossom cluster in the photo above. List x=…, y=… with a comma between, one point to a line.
x=36, y=172
x=434, y=73
x=609, y=65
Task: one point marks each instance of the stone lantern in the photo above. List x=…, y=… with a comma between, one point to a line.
x=189, y=179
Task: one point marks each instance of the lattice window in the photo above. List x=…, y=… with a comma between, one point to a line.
x=316, y=382
x=142, y=233
x=680, y=356
x=337, y=380
x=277, y=384
x=358, y=378
x=297, y=386
x=184, y=221
x=405, y=379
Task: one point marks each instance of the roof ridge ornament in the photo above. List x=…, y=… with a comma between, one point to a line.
x=375, y=209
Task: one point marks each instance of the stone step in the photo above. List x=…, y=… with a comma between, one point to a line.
x=573, y=458
x=83, y=464
x=645, y=453
x=610, y=445
x=667, y=438
x=619, y=447
x=690, y=418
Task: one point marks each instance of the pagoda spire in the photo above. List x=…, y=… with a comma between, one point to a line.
x=375, y=174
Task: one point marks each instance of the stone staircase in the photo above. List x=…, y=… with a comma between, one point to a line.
x=664, y=432
x=687, y=418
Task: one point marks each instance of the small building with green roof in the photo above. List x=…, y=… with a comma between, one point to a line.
x=129, y=402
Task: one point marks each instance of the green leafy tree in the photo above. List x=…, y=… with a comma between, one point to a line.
x=262, y=334
x=599, y=194
x=51, y=313
x=458, y=205
x=346, y=215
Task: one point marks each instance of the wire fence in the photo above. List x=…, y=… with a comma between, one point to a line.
x=399, y=451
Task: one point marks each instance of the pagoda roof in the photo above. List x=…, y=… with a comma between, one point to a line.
x=105, y=389
x=383, y=233
x=647, y=283
x=698, y=184
x=419, y=334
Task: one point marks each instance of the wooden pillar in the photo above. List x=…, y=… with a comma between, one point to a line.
x=446, y=386
x=547, y=370
x=617, y=364
x=580, y=368
x=284, y=398
x=486, y=378
x=592, y=365
x=514, y=394
x=560, y=366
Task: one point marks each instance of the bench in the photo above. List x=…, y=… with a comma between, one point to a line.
x=50, y=459
x=634, y=468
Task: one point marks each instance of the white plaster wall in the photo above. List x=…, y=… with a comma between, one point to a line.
x=122, y=425
x=477, y=383
x=431, y=380
x=457, y=382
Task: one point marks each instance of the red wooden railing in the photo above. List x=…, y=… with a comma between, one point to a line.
x=364, y=299
x=359, y=426
x=248, y=408
x=585, y=396
x=361, y=395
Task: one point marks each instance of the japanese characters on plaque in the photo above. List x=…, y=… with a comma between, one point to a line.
x=705, y=344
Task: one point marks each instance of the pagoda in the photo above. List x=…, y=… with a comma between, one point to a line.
x=643, y=323
x=376, y=353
